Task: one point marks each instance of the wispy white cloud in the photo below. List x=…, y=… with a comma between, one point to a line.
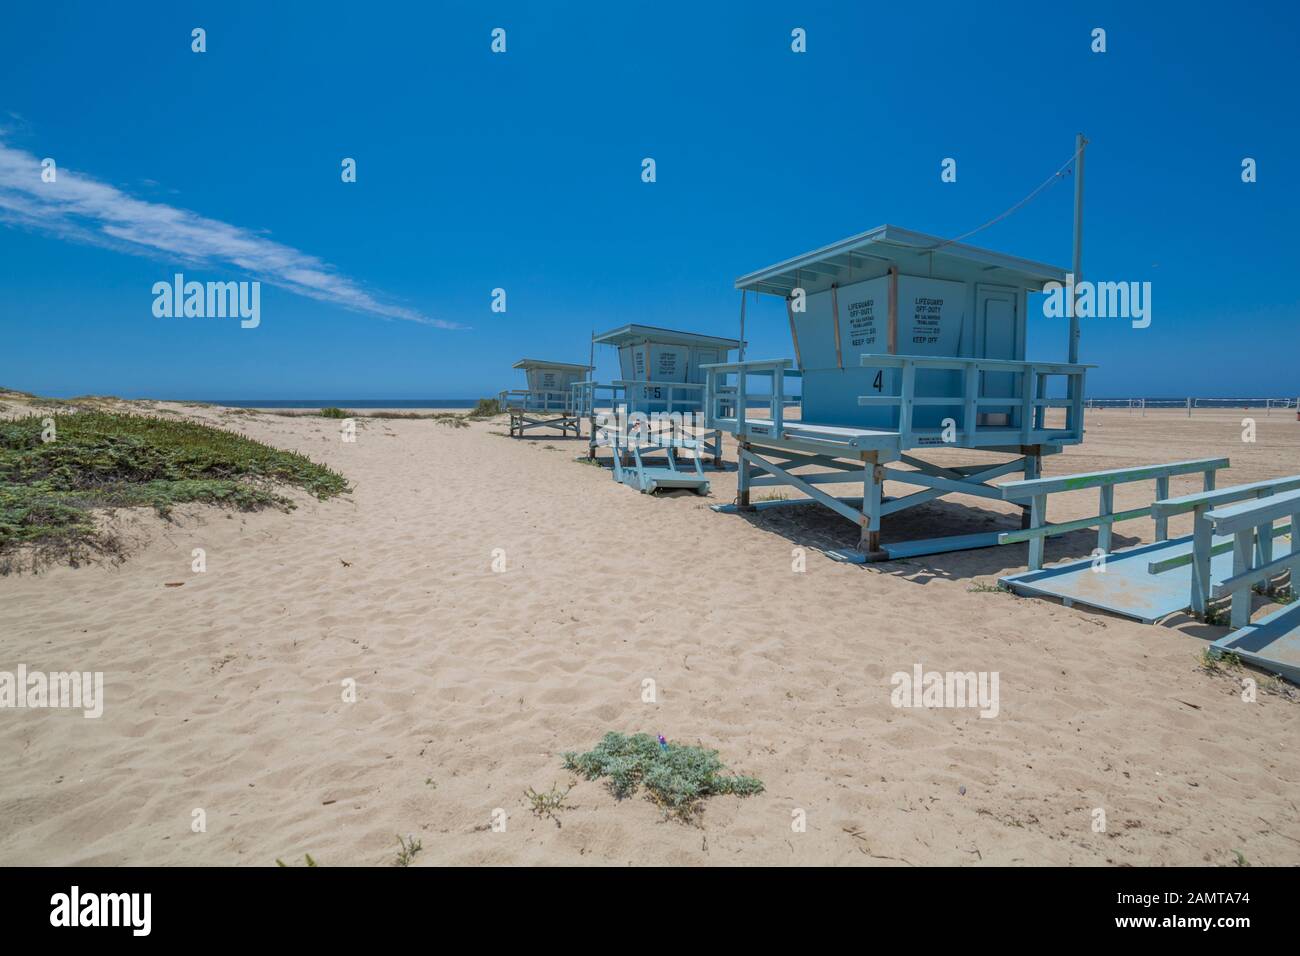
x=81, y=209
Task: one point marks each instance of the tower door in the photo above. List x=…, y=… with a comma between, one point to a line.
x=997, y=336
x=998, y=330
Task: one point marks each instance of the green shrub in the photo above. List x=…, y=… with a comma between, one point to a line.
x=487, y=408
x=676, y=777
x=332, y=412
x=108, y=460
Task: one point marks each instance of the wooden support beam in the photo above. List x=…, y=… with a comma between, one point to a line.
x=817, y=478
x=872, y=483
x=742, y=477
x=795, y=481
x=1037, y=518
x=895, y=505
x=1105, y=514
x=961, y=486
x=1033, y=470
x=1162, y=492
x=930, y=468
x=1241, y=554
x=1202, y=538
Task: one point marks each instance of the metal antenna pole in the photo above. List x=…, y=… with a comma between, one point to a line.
x=742, y=325
x=1079, y=143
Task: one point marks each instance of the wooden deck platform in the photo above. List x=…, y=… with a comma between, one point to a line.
x=832, y=438
x=1126, y=586
x=1272, y=643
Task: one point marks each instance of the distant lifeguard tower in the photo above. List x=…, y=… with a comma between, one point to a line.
x=904, y=342
x=657, y=406
x=547, y=402
x=663, y=375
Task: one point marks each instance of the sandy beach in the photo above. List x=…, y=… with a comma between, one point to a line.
x=224, y=689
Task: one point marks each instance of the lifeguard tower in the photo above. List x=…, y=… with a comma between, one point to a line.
x=904, y=342
x=656, y=410
x=547, y=402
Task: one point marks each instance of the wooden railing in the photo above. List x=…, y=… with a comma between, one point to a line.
x=1199, y=506
x=675, y=396
x=1251, y=526
x=1036, y=490
x=725, y=404
x=586, y=395
x=1029, y=399
x=537, y=400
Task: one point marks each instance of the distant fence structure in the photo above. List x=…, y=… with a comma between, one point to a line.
x=1141, y=405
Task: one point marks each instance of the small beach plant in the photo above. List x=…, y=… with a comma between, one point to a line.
x=1214, y=661
x=332, y=412
x=549, y=803
x=407, y=848
x=676, y=777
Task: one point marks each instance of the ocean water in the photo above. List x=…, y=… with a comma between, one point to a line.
x=374, y=402
x=343, y=402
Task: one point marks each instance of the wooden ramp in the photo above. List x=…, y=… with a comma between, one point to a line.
x=1126, y=586
x=649, y=478
x=1272, y=643
x=654, y=479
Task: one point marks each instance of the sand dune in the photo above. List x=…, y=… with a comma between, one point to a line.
x=224, y=694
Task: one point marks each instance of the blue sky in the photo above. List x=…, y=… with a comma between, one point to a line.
x=522, y=171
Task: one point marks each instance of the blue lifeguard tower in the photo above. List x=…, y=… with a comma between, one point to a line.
x=547, y=402
x=657, y=407
x=903, y=342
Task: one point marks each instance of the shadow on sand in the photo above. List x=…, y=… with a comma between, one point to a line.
x=814, y=527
